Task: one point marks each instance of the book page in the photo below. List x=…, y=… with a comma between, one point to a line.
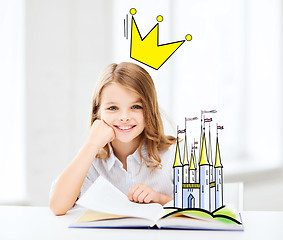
x=91, y=215
x=102, y=196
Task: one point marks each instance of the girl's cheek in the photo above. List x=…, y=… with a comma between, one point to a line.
x=103, y=114
x=107, y=118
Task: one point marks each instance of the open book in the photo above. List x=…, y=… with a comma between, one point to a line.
x=110, y=208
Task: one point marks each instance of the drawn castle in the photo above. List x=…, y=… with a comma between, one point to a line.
x=198, y=186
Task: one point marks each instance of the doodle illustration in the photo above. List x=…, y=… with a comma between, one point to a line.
x=147, y=50
x=198, y=185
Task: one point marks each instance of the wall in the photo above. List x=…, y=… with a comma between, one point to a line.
x=264, y=195
x=66, y=48
x=68, y=42
x=262, y=190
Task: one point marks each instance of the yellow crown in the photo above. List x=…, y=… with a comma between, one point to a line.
x=147, y=50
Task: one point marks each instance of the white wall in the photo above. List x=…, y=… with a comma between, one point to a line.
x=262, y=190
x=68, y=42
x=67, y=45
x=264, y=195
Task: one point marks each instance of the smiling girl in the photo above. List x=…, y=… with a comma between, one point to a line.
x=126, y=142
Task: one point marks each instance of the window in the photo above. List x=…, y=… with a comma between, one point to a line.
x=233, y=52
x=227, y=66
x=12, y=179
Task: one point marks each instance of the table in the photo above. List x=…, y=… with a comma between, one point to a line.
x=18, y=222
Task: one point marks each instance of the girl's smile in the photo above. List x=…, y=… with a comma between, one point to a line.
x=125, y=128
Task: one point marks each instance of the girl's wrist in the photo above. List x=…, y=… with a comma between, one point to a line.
x=163, y=199
x=92, y=147
x=87, y=153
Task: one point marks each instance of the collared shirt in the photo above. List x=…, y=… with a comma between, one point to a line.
x=159, y=179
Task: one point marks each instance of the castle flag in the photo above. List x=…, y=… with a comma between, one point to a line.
x=182, y=131
x=211, y=111
x=191, y=119
x=208, y=120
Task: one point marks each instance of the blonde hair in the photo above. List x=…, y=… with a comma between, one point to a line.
x=138, y=80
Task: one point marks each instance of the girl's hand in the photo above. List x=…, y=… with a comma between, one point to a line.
x=68, y=185
x=100, y=134
x=142, y=193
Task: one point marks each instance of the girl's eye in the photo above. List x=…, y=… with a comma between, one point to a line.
x=112, y=108
x=136, y=107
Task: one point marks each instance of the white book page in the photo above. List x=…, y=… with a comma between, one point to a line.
x=102, y=196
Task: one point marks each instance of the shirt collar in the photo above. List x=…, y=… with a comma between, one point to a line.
x=112, y=158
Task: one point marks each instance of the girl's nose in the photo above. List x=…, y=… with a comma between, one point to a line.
x=124, y=119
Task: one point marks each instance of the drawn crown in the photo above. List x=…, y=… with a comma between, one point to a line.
x=147, y=50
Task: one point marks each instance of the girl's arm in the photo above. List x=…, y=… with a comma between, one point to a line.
x=142, y=193
x=68, y=186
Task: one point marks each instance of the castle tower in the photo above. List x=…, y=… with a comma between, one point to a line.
x=200, y=147
x=201, y=135
x=210, y=157
x=211, y=169
x=192, y=169
x=204, y=193
x=218, y=178
x=178, y=179
x=186, y=162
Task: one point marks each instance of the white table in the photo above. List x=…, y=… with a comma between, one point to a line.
x=40, y=223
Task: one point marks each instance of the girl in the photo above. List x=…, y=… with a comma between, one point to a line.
x=126, y=143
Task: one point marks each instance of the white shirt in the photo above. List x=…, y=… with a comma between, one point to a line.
x=160, y=180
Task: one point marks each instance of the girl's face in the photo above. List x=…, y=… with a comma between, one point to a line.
x=122, y=109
